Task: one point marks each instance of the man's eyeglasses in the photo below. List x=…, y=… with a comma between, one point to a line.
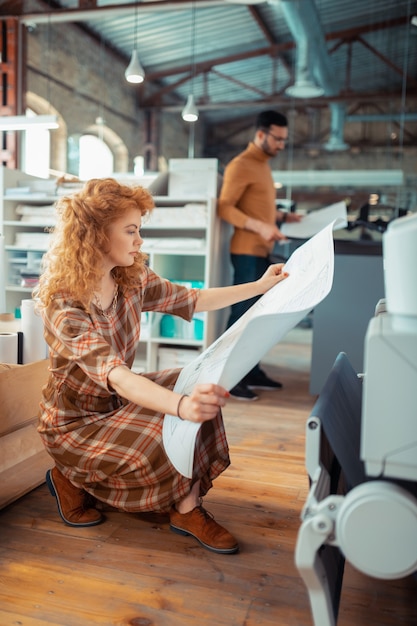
x=277, y=139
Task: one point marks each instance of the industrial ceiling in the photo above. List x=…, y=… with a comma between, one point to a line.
x=239, y=56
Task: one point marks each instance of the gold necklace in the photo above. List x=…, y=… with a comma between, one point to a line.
x=112, y=308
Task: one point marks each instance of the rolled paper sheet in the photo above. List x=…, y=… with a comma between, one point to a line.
x=8, y=347
x=34, y=344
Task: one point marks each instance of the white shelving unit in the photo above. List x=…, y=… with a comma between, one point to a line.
x=23, y=243
x=184, y=239
x=186, y=242
x=183, y=250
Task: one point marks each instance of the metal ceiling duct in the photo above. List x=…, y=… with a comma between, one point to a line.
x=336, y=141
x=314, y=72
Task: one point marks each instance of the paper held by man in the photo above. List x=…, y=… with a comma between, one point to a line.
x=315, y=221
x=243, y=345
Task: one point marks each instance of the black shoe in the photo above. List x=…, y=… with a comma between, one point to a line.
x=242, y=392
x=261, y=381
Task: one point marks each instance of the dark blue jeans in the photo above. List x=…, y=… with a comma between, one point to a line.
x=246, y=268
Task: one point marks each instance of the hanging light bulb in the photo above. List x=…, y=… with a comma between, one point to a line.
x=134, y=72
x=190, y=111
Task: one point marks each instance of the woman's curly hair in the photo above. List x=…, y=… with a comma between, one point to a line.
x=73, y=264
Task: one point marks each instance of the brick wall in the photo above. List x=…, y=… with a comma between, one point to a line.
x=72, y=74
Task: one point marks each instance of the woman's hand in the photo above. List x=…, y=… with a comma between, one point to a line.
x=273, y=275
x=204, y=403
x=216, y=298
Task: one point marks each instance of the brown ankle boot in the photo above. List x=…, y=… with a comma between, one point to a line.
x=71, y=501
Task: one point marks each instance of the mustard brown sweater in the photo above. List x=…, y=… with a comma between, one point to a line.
x=248, y=191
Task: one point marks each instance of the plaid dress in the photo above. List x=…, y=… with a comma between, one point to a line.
x=100, y=441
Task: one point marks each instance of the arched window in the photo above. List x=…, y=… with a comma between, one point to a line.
x=96, y=158
x=94, y=151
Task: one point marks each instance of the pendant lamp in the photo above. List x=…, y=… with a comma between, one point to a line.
x=190, y=111
x=134, y=72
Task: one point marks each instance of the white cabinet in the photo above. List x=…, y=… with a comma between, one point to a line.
x=26, y=206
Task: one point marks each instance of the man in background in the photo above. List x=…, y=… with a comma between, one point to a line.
x=247, y=202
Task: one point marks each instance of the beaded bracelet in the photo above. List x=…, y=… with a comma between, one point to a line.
x=179, y=404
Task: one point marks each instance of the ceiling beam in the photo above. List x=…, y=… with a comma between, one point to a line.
x=273, y=49
x=240, y=83
x=85, y=13
x=50, y=16
x=360, y=99
x=254, y=11
x=387, y=61
x=205, y=66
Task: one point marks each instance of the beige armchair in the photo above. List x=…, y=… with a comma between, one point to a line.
x=23, y=459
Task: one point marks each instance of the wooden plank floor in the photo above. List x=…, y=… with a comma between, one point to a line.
x=133, y=571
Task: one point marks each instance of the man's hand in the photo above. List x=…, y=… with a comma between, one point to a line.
x=266, y=231
x=288, y=218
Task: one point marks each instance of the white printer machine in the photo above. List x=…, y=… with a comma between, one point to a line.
x=361, y=447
